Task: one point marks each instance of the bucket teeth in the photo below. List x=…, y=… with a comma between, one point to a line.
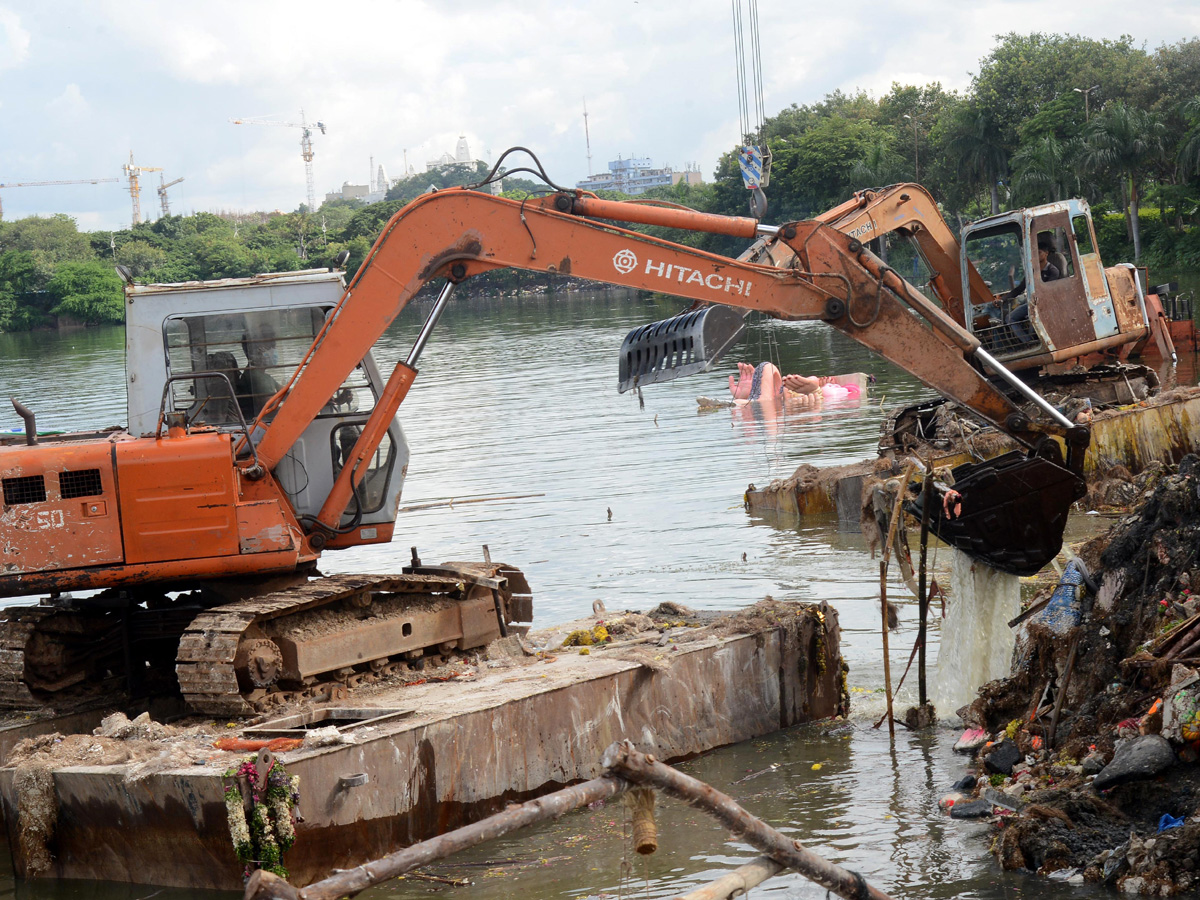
x=691, y=342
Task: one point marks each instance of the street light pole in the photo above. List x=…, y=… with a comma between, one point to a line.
x=1086, y=106
x=916, y=149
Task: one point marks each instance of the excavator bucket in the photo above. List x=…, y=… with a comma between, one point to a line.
x=1014, y=510
x=691, y=342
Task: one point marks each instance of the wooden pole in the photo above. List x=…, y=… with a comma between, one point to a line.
x=887, y=662
x=622, y=759
x=1062, y=690
x=739, y=881
x=922, y=592
x=265, y=886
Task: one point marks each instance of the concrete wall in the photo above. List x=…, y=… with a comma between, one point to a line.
x=467, y=750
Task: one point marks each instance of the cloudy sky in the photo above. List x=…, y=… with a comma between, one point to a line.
x=83, y=83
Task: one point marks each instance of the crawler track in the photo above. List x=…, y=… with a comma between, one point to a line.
x=14, y=638
x=206, y=662
x=315, y=640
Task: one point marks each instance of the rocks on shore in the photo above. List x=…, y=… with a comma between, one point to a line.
x=1136, y=758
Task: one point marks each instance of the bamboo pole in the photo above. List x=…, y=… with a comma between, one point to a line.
x=893, y=524
x=266, y=886
x=887, y=662
x=622, y=759
x=462, y=501
x=1062, y=691
x=922, y=592
x=739, y=881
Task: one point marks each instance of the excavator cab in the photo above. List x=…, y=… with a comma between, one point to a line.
x=217, y=352
x=1039, y=316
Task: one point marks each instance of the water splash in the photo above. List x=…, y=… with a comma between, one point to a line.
x=977, y=643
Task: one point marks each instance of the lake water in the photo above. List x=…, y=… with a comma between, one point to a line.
x=518, y=397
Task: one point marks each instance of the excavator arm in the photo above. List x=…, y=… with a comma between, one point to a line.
x=458, y=233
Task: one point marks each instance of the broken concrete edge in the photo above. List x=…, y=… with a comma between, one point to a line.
x=468, y=749
x=1125, y=443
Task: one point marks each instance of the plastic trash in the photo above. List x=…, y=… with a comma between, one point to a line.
x=1168, y=822
x=1064, y=610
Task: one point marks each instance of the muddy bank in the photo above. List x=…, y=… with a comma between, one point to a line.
x=1091, y=766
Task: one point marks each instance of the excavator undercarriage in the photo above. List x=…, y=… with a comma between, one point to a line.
x=311, y=640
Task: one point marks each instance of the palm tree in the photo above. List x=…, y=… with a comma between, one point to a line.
x=974, y=138
x=1046, y=171
x=880, y=167
x=1124, y=141
x=1189, y=150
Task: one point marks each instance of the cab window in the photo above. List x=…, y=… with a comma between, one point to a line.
x=252, y=353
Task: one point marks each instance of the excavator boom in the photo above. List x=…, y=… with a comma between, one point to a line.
x=830, y=276
x=455, y=234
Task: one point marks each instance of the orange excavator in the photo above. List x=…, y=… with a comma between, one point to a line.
x=1089, y=313
x=261, y=435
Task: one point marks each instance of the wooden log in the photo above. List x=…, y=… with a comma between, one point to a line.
x=351, y=881
x=922, y=594
x=622, y=759
x=739, y=881
x=887, y=659
x=1062, y=691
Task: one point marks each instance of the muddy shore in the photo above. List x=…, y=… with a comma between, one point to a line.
x=1090, y=762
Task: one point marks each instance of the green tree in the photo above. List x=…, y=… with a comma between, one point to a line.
x=1025, y=72
x=1124, y=142
x=972, y=139
x=1047, y=170
x=141, y=257
x=89, y=292
x=51, y=240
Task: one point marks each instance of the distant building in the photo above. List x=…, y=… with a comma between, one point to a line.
x=462, y=157
x=637, y=175
x=367, y=193
x=377, y=190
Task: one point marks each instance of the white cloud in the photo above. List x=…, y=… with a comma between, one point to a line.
x=70, y=104
x=390, y=76
x=14, y=40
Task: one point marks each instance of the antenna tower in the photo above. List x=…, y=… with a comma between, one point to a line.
x=587, y=137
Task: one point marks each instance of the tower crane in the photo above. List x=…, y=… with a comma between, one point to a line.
x=14, y=184
x=162, y=192
x=135, y=189
x=306, y=149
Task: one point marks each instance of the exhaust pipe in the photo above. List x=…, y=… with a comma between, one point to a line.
x=27, y=414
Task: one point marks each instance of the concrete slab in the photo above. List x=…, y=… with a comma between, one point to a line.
x=466, y=750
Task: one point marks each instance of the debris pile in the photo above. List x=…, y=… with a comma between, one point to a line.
x=1092, y=770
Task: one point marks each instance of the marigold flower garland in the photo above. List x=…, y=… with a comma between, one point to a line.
x=270, y=832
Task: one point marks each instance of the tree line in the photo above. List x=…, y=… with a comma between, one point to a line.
x=1045, y=118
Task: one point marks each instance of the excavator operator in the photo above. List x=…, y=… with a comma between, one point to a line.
x=1018, y=319
x=255, y=386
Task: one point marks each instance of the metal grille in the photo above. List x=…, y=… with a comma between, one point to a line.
x=82, y=483
x=27, y=489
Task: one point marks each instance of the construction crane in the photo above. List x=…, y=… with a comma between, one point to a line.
x=135, y=189
x=162, y=192
x=14, y=184
x=306, y=149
